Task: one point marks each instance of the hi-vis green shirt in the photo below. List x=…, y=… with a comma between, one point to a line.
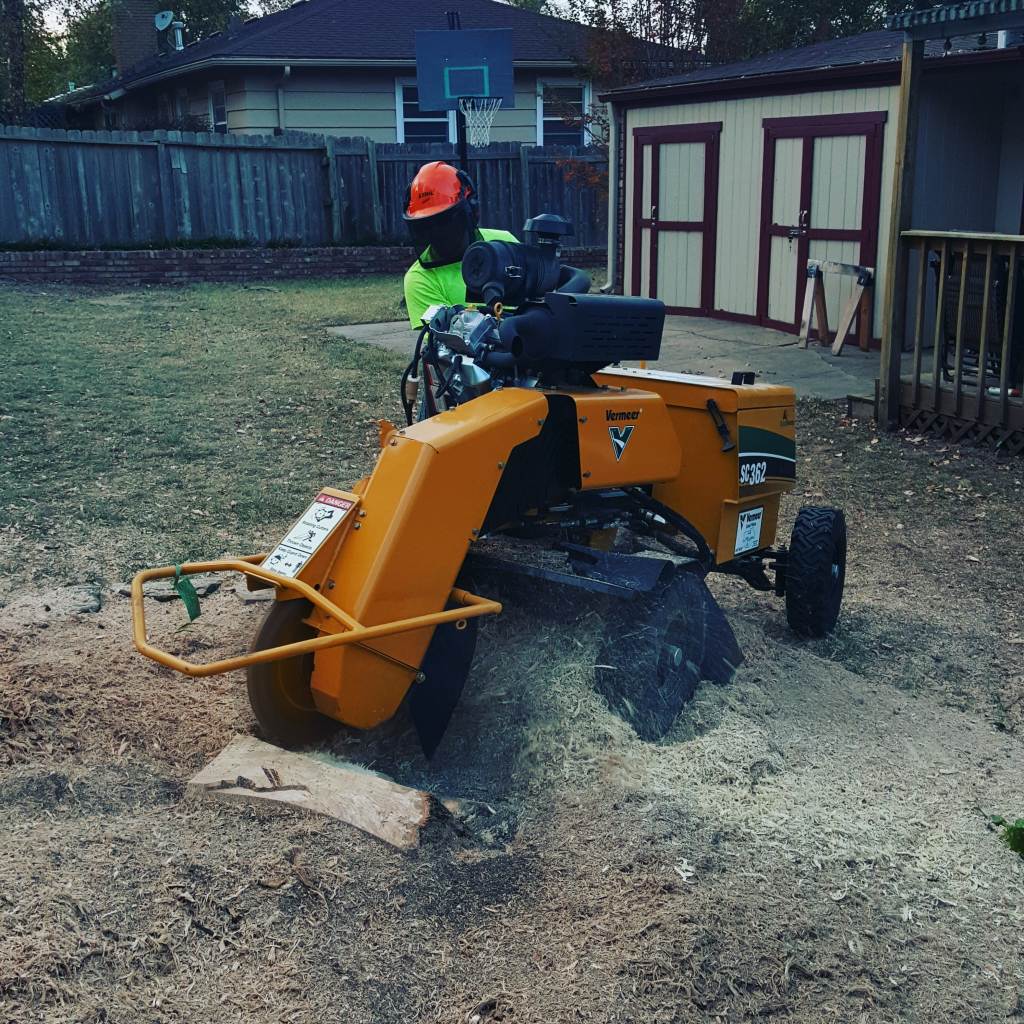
x=441, y=286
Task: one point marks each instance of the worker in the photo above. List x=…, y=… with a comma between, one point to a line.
x=441, y=214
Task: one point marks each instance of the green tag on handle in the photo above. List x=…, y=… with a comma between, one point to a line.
x=184, y=589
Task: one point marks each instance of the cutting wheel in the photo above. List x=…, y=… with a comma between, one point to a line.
x=652, y=655
x=279, y=691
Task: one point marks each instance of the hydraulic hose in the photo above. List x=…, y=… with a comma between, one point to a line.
x=673, y=518
x=408, y=372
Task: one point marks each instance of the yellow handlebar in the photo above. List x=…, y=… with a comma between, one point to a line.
x=353, y=632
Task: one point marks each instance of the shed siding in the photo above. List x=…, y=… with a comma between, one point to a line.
x=741, y=156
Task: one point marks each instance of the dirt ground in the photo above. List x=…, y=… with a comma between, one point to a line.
x=810, y=843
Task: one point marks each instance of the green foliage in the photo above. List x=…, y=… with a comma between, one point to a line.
x=204, y=17
x=765, y=25
x=1012, y=834
x=84, y=52
x=88, y=43
x=535, y=6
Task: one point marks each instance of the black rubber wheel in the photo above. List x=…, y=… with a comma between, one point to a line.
x=279, y=691
x=816, y=571
x=650, y=659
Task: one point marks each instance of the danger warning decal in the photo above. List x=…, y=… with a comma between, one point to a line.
x=303, y=540
x=765, y=455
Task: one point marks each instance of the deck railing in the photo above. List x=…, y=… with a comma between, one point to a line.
x=962, y=367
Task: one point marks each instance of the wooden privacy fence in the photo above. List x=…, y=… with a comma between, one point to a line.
x=79, y=188
x=962, y=373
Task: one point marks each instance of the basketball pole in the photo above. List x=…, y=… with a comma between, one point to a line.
x=454, y=25
x=460, y=135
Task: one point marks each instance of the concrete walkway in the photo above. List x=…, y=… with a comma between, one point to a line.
x=715, y=348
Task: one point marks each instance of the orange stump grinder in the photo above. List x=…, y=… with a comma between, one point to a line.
x=519, y=422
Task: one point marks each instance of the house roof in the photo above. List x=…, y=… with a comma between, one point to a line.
x=365, y=32
x=835, y=56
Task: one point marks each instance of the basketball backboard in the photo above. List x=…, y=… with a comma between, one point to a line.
x=464, y=62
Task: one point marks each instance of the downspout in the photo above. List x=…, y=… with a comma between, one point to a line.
x=286, y=73
x=616, y=197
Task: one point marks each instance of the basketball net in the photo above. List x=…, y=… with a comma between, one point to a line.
x=479, y=113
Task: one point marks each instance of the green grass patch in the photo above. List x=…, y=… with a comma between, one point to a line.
x=162, y=425
x=1012, y=833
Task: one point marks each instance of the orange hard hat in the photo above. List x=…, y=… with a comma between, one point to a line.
x=437, y=187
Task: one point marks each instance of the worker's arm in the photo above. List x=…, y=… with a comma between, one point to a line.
x=422, y=290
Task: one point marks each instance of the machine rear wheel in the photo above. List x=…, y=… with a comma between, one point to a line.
x=816, y=571
x=279, y=691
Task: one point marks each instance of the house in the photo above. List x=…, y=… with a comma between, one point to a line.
x=339, y=67
x=730, y=178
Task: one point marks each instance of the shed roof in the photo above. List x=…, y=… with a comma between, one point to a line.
x=859, y=52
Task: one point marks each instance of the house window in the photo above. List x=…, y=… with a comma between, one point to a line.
x=561, y=106
x=218, y=108
x=415, y=125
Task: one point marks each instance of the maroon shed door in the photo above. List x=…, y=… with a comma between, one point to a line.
x=675, y=213
x=820, y=198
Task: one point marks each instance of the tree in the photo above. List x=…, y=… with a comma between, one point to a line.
x=13, y=24
x=89, y=27
x=88, y=43
x=534, y=6
x=204, y=17
x=766, y=25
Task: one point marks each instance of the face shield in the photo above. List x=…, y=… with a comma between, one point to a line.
x=442, y=238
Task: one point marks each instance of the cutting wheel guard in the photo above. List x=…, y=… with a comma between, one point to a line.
x=469, y=606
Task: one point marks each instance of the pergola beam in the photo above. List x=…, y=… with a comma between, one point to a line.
x=894, y=310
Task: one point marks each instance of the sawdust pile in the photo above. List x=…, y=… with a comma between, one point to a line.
x=806, y=843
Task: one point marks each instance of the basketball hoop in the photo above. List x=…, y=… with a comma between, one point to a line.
x=479, y=113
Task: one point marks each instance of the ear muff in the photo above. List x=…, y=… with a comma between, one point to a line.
x=471, y=197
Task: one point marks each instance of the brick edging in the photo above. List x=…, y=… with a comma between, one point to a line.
x=124, y=268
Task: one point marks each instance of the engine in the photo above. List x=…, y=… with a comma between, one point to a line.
x=534, y=324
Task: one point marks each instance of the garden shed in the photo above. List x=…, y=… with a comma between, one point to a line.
x=727, y=180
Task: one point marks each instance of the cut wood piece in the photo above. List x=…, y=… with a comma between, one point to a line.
x=249, y=769
x=866, y=316
x=820, y=312
x=846, y=321
x=805, y=316
x=814, y=311
x=860, y=300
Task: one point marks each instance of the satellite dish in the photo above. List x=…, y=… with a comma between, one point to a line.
x=163, y=20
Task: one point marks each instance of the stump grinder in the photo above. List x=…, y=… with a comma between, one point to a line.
x=521, y=423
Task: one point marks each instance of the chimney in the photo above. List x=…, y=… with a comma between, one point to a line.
x=134, y=34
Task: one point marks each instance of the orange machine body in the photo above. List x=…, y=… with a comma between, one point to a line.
x=716, y=484
x=419, y=511
x=383, y=578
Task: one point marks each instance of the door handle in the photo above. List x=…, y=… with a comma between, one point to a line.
x=654, y=213
x=803, y=219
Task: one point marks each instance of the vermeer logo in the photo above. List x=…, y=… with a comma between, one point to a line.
x=612, y=416
x=620, y=438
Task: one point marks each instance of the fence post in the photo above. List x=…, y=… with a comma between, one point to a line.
x=336, y=187
x=166, y=186
x=179, y=170
x=371, y=162
x=524, y=175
